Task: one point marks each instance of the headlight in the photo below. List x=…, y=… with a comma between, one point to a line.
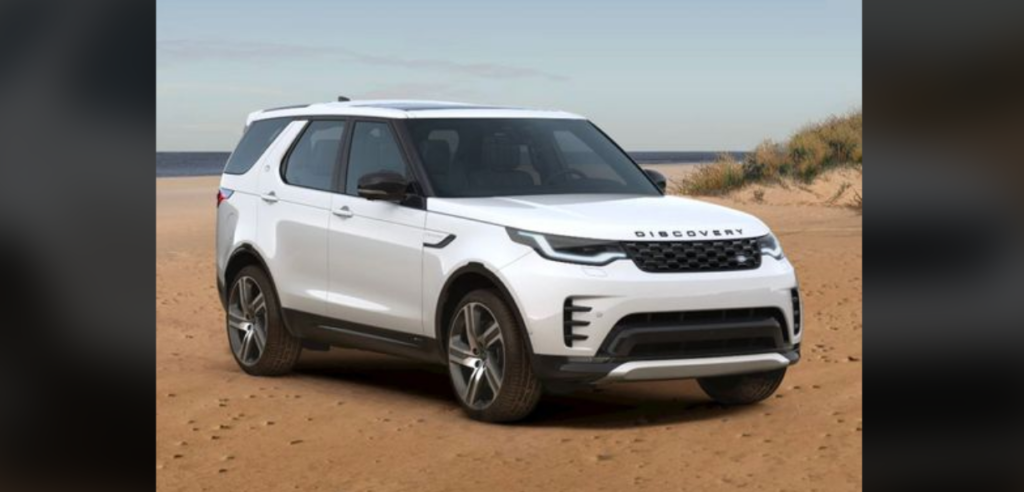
x=770, y=246
x=569, y=249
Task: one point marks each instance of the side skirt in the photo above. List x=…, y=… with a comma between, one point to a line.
x=315, y=329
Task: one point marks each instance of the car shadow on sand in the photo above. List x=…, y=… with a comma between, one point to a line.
x=625, y=405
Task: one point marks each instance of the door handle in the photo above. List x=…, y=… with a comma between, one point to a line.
x=343, y=212
x=269, y=197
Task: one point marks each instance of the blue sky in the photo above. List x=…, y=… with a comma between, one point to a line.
x=655, y=75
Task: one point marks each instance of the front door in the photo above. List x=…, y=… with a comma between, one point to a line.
x=375, y=247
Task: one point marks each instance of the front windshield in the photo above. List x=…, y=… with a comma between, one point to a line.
x=474, y=157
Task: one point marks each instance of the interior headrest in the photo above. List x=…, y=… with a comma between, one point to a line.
x=437, y=156
x=501, y=155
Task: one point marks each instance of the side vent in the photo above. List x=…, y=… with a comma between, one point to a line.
x=570, y=323
x=798, y=317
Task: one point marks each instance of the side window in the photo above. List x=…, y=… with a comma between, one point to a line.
x=254, y=143
x=311, y=163
x=374, y=149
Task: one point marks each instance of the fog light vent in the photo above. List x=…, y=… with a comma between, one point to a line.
x=569, y=323
x=797, y=313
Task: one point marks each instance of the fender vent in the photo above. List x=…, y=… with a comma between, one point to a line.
x=569, y=323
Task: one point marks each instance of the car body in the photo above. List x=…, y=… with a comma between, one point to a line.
x=372, y=220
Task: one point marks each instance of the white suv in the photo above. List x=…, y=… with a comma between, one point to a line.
x=523, y=249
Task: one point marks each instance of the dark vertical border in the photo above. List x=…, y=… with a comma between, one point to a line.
x=77, y=244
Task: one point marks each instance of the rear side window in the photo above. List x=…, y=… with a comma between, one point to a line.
x=254, y=143
x=311, y=163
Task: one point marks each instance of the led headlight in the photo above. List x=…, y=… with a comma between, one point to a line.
x=570, y=249
x=769, y=245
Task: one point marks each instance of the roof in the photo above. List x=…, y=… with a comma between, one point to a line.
x=407, y=109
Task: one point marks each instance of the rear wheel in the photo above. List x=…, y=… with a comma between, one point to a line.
x=488, y=360
x=258, y=338
x=743, y=389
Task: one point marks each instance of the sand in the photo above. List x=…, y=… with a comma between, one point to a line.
x=838, y=187
x=352, y=421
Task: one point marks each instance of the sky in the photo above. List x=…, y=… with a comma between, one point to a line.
x=655, y=75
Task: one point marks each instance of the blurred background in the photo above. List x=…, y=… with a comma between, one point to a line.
x=76, y=244
x=944, y=273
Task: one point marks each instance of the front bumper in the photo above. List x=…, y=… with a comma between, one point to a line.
x=570, y=372
x=540, y=288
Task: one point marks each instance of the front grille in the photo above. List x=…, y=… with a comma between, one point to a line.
x=694, y=256
x=683, y=334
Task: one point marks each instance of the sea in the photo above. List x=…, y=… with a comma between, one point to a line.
x=172, y=164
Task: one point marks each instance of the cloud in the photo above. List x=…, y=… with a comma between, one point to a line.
x=178, y=51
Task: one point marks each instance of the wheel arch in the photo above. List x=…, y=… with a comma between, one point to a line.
x=243, y=256
x=465, y=279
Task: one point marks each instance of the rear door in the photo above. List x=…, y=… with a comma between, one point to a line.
x=375, y=246
x=295, y=215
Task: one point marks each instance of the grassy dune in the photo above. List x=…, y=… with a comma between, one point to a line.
x=834, y=142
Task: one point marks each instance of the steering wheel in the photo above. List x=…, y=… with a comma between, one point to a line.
x=565, y=172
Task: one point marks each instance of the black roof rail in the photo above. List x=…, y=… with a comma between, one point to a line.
x=342, y=99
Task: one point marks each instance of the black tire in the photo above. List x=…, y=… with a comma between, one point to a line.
x=743, y=389
x=281, y=350
x=520, y=390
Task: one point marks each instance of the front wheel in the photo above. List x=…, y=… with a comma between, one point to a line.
x=488, y=360
x=743, y=389
x=261, y=344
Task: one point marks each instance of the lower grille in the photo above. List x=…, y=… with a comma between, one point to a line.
x=694, y=256
x=686, y=334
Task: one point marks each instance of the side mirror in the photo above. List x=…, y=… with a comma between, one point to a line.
x=658, y=178
x=385, y=185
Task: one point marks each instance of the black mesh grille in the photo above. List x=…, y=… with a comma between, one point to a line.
x=694, y=256
x=697, y=334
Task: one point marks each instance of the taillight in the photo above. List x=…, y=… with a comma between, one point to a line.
x=224, y=194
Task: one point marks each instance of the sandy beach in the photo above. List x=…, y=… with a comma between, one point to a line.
x=355, y=421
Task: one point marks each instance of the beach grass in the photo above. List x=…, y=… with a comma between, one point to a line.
x=827, y=144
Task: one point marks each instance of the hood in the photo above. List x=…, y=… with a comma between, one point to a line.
x=613, y=217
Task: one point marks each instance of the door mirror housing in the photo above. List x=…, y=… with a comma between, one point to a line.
x=658, y=178
x=385, y=185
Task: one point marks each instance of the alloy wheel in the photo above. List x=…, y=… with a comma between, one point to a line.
x=476, y=355
x=247, y=320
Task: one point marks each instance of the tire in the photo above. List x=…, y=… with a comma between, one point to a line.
x=280, y=350
x=519, y=390
x=743, y=389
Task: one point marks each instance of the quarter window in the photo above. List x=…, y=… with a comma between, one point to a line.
x=311, y=163
x=254, y=143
